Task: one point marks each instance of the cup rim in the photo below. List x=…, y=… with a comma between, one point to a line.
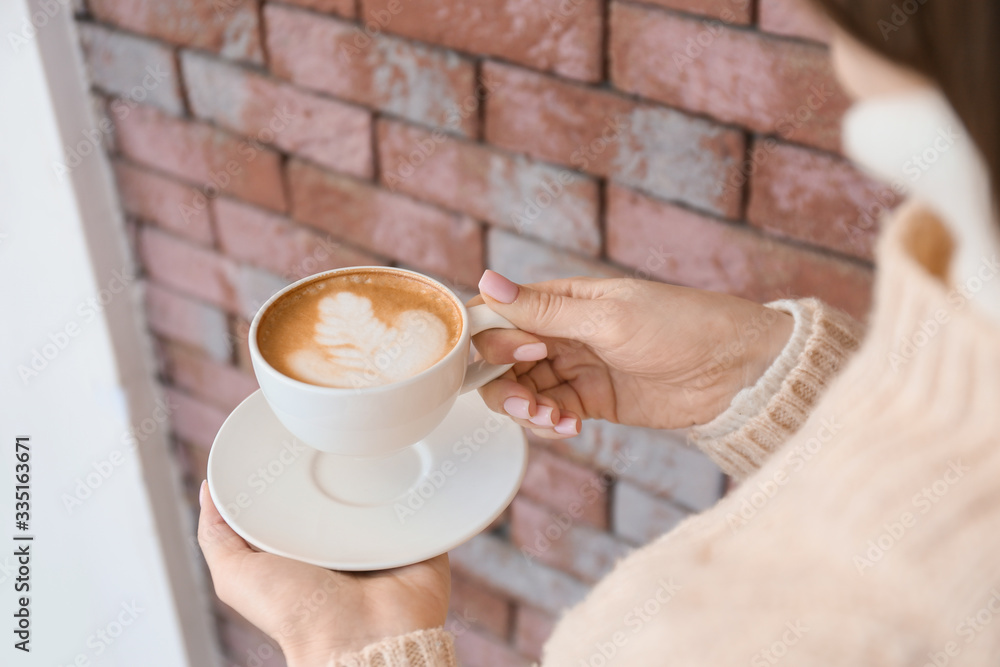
x=258, y=358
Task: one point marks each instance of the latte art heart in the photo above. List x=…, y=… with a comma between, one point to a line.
x=359, y=328
x=355, y=348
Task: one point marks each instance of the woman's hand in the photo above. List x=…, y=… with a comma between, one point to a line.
x=630, y=351
x=314, y=613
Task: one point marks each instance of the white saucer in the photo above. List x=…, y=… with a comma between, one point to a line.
x=348, y=513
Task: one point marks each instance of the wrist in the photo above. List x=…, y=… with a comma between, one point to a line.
x=763, y=352
x=753, y=349
x=310, y=656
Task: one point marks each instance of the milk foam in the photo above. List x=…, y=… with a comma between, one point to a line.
x=354, y=348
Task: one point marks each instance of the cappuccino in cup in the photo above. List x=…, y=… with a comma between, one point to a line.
x=367, y=360
x=363, y=328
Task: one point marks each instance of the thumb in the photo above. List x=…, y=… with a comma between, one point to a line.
x=220, y=543
x=550, y=311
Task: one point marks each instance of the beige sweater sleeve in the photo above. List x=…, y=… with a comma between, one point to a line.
x=762, y=417
x=423, y=648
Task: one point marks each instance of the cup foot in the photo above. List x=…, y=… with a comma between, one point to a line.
x=367, y=481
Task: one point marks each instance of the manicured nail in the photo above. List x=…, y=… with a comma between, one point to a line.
x=498, y=288
x=567, y=426
x=543, y=417
x=531, y=352
x=517, y=407
x=201, y=492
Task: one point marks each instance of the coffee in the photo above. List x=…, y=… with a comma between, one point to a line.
x=360, y=328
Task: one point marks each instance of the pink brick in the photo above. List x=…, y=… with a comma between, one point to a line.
x=220, y=384
x=555, y=205
x=524, y=260
x=183, y=319
x=417, y=82
x=130, y=67
x=550, y=35
x=474, y=606
x=477, y=650
x=189, y=269
x=563, y=486
x=559, y=540
x=499, y=565
x=815, y=198
x=254, y=286
x=328, y=132
x=229, y=28
x=153, y=198
x=795, y=18
x=739, y=77
x=194, y=420
x=532, y=629
x=685, y=248
x=274, y=243
x=418, y=234
x=658, y=460
x=641, y=517
x=729, y=11
x=651, y=148
x=196, y=153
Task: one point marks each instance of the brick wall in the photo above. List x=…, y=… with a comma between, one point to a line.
x=255, y=143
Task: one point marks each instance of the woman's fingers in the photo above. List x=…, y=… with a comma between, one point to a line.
x=505, y=346
x=547, y=414
x=507, y=396
x=547, y=313
x=222, y=547
x=544, y=414
x=567, y=426
x=582, y=287
x=542, y=376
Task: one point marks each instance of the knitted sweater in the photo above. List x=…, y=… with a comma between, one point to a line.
x=867, y=526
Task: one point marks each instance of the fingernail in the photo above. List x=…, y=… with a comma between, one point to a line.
x=566, y=426
x=201, y=492
x=543, y=417
x=498, y=288
x=531, y=352
x=517, y=407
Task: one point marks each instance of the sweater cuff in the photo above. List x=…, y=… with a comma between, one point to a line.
x=763, y=417
x=422, y=648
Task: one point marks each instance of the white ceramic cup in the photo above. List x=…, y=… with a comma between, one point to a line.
x=380, y=420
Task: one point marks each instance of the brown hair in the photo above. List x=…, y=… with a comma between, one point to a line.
x=954, y=42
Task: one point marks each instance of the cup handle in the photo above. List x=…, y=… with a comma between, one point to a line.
x=479, y=372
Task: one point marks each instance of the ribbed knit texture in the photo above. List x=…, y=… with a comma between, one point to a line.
x=416, y=649
x=763, y=417
x=871, y=536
